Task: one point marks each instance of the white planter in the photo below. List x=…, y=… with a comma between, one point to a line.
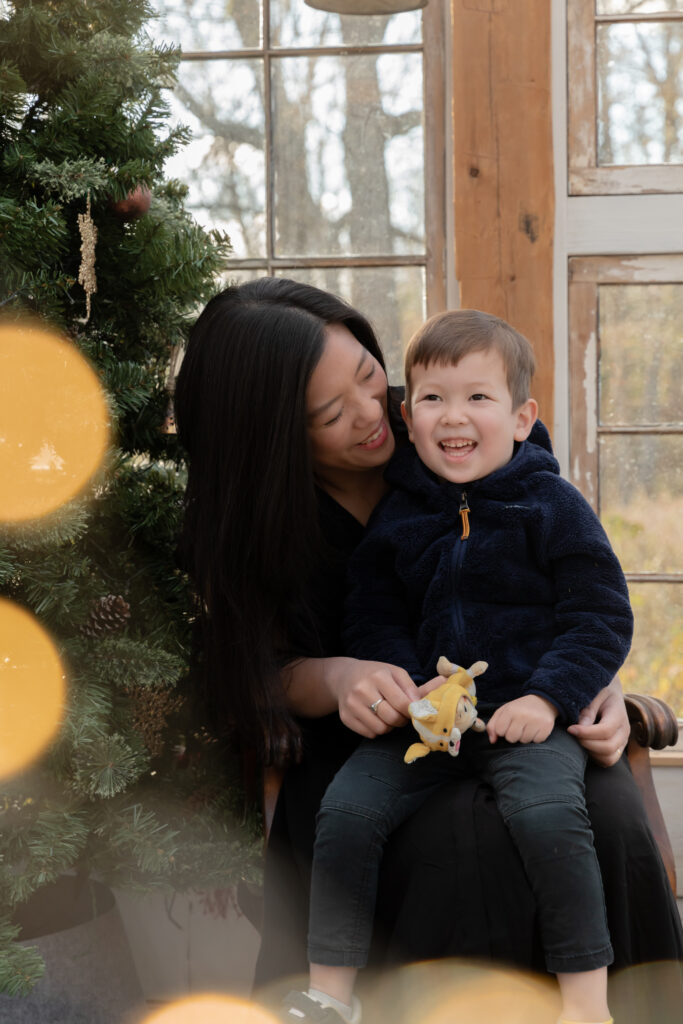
x=179, y=949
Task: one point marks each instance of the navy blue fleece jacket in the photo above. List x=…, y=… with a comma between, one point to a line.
x=535, y=590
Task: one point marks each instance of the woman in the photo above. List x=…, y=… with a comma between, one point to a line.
x=283, y=408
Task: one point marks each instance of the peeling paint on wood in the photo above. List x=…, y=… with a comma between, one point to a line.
x=590, y=391
x=626, y=269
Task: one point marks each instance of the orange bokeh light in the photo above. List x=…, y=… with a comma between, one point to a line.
x=53, y=422
x=211, y=1009
x=443, y=991
x=32, y=689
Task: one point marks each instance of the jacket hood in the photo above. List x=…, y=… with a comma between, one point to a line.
x=405, y=471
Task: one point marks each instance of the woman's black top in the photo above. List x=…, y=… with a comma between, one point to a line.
x=452, y=883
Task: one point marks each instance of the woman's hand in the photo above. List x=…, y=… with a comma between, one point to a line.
x=319, y=686
x=603, y=727
x=360, y=685
x=424, y=689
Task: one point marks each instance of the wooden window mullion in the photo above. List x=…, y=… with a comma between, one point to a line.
x=583, y=388
x=582, y=106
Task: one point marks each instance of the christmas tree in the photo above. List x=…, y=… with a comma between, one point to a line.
x=96, y=243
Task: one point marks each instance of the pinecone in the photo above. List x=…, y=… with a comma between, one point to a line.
x=151, y=707
x=107, y=615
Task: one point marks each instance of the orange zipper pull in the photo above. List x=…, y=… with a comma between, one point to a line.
x=465, y=516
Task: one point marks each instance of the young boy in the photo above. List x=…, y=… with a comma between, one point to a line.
x=480, y=552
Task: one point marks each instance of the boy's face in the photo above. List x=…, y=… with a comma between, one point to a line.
x=461, y=419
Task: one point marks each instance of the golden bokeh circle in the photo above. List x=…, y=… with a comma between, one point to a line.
x=53, y=422
x=211, y=1009
x=443, y=991
x=32, y=689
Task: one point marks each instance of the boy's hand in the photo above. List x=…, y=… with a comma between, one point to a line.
x=528, y=719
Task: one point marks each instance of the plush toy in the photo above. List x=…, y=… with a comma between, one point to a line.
x=448, y=711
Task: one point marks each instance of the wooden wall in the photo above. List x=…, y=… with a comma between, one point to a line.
x=503, y=177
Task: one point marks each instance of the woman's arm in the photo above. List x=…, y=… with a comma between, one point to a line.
x=603, y=727
x=320, y=686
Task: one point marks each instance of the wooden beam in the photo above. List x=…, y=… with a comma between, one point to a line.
x=503, y=177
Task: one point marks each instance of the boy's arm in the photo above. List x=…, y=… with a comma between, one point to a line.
x=592, y=610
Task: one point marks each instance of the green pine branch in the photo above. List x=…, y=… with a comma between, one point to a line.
x=38, y=843
x=106, y=765
x=83, y=113
x=20, y=966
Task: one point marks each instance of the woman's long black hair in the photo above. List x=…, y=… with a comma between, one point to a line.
x=251, y=538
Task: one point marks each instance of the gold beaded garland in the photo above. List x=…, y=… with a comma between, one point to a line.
x=86, y=273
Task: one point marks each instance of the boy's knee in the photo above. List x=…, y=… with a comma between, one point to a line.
x=562, y=825
x=350, y=818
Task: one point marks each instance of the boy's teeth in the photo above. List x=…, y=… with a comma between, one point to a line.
x=456, y=444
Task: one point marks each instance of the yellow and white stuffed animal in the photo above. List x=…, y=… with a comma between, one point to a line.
x=448, y=711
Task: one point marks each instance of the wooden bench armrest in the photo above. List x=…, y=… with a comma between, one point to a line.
x=653, y=727
x=653, y=723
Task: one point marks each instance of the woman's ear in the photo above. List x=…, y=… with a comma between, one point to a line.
x=406, y=419
x=527, y=414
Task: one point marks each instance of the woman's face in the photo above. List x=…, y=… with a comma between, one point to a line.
x=347, y=406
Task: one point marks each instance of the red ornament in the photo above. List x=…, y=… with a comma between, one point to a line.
x=135, y=205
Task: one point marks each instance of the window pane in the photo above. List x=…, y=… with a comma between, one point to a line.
x=348, y=154
x=207, y=24
x=641, y=500
x=292, y=23
x=641, y=354
x=392, y=298
x=222, y=103
x=638, y=6
x=640, y=93
x=240, y=276
x=655, y=665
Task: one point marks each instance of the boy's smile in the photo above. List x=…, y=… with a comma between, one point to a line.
x=461, y=419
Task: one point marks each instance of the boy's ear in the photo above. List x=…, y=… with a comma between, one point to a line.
x=527, y=414
x=406, y=419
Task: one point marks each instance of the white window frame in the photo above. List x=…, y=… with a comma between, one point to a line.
x=585, y=176
x=632, y=226
x=595, y=225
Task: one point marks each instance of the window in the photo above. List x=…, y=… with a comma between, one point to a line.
x=626, y=96
x=308, y=148
x=626, y=442
x=619, y=263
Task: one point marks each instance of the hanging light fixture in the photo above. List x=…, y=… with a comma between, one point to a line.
x=366, y=6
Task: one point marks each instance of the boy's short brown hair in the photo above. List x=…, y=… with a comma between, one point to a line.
x=447, y=337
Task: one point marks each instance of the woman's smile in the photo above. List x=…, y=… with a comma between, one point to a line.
x=347, y=408
x=377, y=438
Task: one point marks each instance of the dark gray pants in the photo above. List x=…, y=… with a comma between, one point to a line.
x=540, y=792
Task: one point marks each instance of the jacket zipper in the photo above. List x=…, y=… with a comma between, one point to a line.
x=457, y=559
x=465, y=516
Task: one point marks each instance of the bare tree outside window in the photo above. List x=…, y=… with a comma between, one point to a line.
x=625, y=96
x=640, y=84
x=308, y=147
